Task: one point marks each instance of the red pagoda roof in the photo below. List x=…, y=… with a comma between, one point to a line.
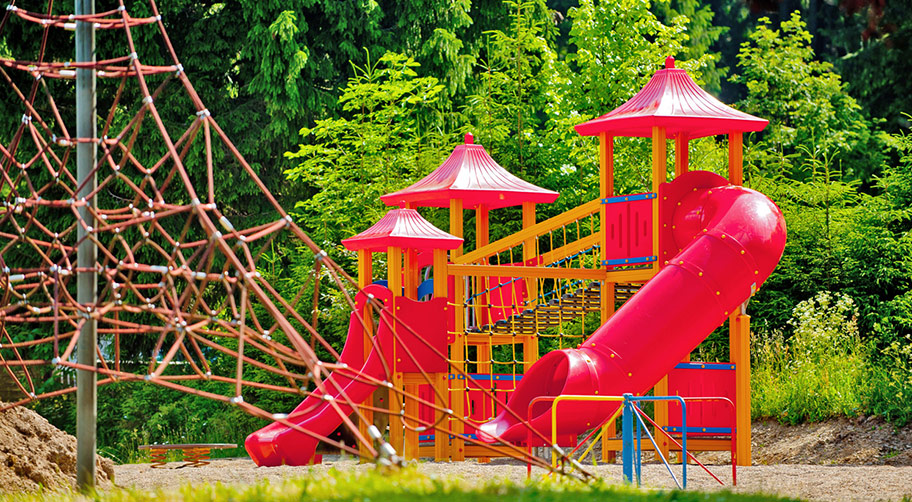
x=672, y=100
x=403, y=228
x=470, y=174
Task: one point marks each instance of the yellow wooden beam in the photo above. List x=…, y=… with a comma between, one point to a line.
x=736, y=158
x=456, y=225
x=440, y=273
x=365, y=278
x=739, y=343
x=681, y=155
x=659, y=170
x=606, y=189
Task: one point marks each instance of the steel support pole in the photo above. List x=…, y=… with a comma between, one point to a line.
x=87, y=253
x=627, y=439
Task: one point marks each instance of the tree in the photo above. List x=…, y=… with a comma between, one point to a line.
x=386, y=138
x=810, y=112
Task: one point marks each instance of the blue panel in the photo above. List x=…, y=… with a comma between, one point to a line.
x=700, y=430
x=630, y=261
x=629, y=198
x=382, y=282
x=705, y=366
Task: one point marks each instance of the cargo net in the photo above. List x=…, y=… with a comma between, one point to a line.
x=176, y=272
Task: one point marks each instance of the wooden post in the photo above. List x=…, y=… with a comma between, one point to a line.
x=456, y=225
x=739, y=327
x=529, y=342
x=736, y=158
x=411, y=274
x=659, y=170
x=365, y=278
x=739, y=342
x=441, y=436
x=457, y=348
x=482, y=312
x=394, y=281
x=457, y=358
x=606, y=189
x=681, y=155
x=606, y=293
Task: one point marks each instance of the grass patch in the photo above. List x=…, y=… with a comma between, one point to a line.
x=407, y=485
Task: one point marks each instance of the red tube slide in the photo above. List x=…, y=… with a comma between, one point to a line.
x=277, y=444
x=731, y=238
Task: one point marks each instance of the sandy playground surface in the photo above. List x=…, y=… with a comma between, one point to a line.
x=837, y=460
x=812, y=482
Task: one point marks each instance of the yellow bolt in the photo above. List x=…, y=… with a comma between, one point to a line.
x=630, y=374
x=681, y=262
x=718, y=292
x=742, y=251
x=700, y=274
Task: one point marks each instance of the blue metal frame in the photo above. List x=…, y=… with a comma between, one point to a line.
x=631, y=409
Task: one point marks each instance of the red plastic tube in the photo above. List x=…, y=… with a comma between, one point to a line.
x=731, y=238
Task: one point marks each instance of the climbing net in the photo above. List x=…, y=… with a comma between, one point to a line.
x=174, y=268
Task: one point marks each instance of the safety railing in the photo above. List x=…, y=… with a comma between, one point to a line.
x=631, y=436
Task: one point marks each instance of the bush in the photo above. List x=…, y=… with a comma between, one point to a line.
x=821, y=371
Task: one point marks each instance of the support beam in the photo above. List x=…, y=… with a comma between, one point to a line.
x=365, y=278
x=739, y=343
x=394, y=281
x=606, y=189
x=87, y=253
x=456, y=226
x=682, y=156
x=736, y=158
x=659, y=169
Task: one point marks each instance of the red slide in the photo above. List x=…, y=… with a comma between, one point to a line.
x=277, y=444
x=731, y=238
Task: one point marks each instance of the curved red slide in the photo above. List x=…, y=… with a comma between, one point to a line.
x=731, y=238
x=277, y=444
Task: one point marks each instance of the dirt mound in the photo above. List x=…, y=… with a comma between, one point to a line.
x=844, y=441
x=34, y=453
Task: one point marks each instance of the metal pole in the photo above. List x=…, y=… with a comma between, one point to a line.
x=87, y=254
x=627, y=439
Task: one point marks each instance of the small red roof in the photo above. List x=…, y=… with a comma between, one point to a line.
x=470, y=174
x=403, y=228
x=672, y=100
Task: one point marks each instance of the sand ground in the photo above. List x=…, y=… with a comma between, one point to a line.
x=812, y=482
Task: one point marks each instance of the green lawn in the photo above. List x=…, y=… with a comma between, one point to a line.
x=407, y=485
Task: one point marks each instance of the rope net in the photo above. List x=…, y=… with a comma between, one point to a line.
x=177, y=273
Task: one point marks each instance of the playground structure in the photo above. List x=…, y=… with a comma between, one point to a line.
x=695, y=248
x=451, y=353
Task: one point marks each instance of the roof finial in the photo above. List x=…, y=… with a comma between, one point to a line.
x=469, y=139
x=669, y=62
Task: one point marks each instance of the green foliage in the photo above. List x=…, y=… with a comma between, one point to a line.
x=820, y=372
x=387, y=138
x=809, y=110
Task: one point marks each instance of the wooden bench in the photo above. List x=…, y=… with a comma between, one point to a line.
x=195, y=455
